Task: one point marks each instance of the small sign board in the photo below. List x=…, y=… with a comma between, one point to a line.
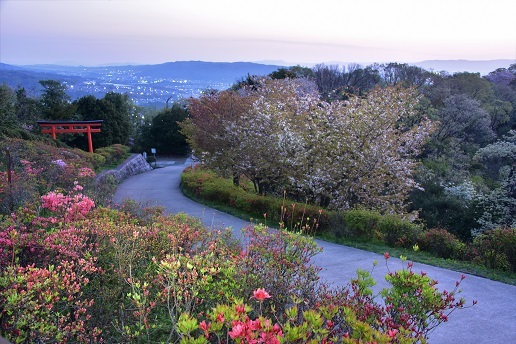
x=153, y=150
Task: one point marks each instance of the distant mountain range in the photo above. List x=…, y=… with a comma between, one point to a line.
x=152, y=85
x=457, y=66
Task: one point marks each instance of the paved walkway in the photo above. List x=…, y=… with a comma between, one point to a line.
x=492, y=320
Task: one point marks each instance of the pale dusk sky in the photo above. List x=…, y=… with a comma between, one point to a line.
x=96, y=32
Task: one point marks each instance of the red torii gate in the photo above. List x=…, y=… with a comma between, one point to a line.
x=60, y=127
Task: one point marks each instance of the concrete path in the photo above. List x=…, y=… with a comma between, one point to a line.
x=492, y=320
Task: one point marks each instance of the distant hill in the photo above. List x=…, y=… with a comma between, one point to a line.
x=457, y=66
x=147, y=85
x=15, y=76
x=226, y=72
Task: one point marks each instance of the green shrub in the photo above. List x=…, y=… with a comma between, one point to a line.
x=97, y=160
x=299, y=217
x=442, y=243
x=397, y=231
x=497, y=249
x=361, y=223
x=114, y=154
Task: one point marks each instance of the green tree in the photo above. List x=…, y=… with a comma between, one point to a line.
x=8, y=120
x=401, y=73
x=499, y=204
x=55, y=103
x=165, y=131
x=464, y=127
x=292, y=73
x=115, y=110
x=503, y=110
x=116, y=127
x=28, y=110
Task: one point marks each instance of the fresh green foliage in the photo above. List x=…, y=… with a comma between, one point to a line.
x=55, y=102
x=162, y=132
x=357, y=224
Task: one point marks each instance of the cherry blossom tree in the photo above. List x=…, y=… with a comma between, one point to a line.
x=343, y=154
x=212, y=118
x=362, y=155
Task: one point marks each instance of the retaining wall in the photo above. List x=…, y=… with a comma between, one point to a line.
x=133, y=165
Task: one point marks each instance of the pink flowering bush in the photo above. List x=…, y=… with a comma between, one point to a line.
x=325, y=324
x=45, y=266
x=70, y=207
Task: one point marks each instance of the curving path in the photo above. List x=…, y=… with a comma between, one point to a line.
x=492, y=320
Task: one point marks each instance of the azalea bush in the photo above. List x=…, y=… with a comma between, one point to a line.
x=406, y=313
x=326, y=324
x=39, y=167
x=165, y=278
x=47, y=264
x=278, y=260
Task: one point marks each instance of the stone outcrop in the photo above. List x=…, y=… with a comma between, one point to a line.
x=133, y=165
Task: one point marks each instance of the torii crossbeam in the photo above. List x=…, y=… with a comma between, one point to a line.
x=61, y=127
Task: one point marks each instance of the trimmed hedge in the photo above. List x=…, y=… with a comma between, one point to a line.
x=366, y=224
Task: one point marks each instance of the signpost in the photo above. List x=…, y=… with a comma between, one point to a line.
x=153, y=151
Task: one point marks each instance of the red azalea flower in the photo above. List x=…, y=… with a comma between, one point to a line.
x=205, y=327
x=254, y=325
x=386, y=255
x=260, y=294
x=240, y=309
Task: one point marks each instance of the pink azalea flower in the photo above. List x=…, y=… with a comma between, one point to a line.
x=392, y=333
x=237, y=331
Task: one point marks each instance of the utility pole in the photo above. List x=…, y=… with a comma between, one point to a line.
x=9, y=178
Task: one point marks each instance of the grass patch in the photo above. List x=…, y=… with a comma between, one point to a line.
x=425, y=258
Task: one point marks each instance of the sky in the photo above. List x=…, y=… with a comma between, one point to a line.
x=101, y=32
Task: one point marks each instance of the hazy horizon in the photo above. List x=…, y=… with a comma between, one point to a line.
x=115, y=32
